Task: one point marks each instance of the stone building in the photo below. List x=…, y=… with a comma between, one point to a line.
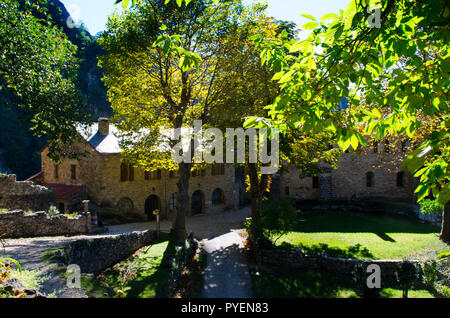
x=110, y=183
x=368, y=173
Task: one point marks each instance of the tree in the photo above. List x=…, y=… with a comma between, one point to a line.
x=391, y=57
x=169, y=75
x=37, y=73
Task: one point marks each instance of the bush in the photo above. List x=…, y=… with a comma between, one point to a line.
x=431, y=207
x=277, y=218
x=407, y=274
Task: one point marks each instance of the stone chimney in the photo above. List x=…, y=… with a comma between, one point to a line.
x=103, y=126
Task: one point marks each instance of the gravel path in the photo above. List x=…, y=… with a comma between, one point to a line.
x=29, y=251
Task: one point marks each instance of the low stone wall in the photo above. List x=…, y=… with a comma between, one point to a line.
x=94, y=255
x=295, y=260
x=24, y=195
x=16, y=224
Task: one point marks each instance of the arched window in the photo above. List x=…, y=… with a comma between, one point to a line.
x=400, y=179
x=217, y=197
x=370, y=179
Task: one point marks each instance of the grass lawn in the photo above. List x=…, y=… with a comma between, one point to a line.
x=141, y=276
x=301, y=284
x=358, y=235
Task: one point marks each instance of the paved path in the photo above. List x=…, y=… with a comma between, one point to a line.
x=29, y=251
x=226, y=273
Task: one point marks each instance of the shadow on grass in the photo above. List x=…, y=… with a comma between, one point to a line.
x=356, y=251
x=353, y=222
x=299, y=284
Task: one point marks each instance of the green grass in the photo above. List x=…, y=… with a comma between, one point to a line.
x=141, y=276
x=301, y=284
x=358, y=235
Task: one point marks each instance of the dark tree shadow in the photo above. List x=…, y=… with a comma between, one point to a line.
x=355, y=251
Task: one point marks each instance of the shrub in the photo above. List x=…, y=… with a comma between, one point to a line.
x=277, y=218
x=430, y=272
x=431, y=207
x=52, y=211
x=406, y=274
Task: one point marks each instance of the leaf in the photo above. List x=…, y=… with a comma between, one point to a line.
x=329, y=16
x=308, y=16
x=310, y=25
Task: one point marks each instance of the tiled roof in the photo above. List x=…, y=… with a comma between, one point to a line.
x=64, y=191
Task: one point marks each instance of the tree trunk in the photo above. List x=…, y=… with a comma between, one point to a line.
x=445, y=232
x=254, y=188
x=182, y=203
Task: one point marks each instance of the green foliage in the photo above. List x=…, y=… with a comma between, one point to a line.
x=431, y=207
x=38, y=72
x=395, y=78
x=430, y=272
x=52, y=211
x=444, y=256
x=276, y=219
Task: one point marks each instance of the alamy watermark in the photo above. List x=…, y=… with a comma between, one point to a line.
x=207, y=146
x=374, y=19
x=73, y=273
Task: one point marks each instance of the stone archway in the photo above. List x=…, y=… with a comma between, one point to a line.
x=152, y=203
x=198, y=202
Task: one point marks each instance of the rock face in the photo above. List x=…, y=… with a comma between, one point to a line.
x=18, y=224
x=24, y=195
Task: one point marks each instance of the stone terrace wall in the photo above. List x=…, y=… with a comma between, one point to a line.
x=94, y=255
x=295, y=260
x=16, y=224
x=24, y=195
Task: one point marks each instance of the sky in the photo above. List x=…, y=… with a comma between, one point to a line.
x=94, y=13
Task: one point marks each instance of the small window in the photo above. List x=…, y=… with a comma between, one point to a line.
x=218, y=169
x=131, y=173
x=375, y=147
x=400, y=179
x=123, y=172
x=286, y=191
x=56, y=171
x=370, y=179
x=172, y=202
x=315, y=182
x=153, y=175
x=73, y=172
x=126, y=172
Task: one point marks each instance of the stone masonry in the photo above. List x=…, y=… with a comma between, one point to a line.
x=24, y=195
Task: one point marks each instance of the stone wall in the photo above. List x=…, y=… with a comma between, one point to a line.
x=94, y=255
x=18, y=224
x=24, y=195
x=295, y=260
